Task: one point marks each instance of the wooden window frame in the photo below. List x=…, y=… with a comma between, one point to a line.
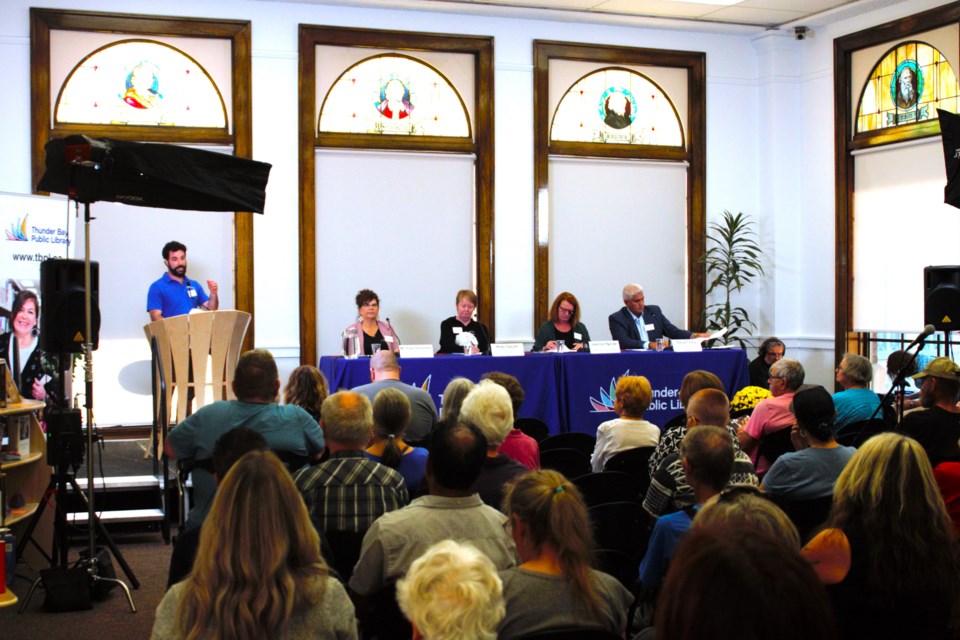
x=481, y=47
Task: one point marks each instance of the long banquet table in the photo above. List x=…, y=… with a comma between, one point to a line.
x=568, y=391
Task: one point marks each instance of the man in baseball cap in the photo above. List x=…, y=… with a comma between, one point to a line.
x=937, y=426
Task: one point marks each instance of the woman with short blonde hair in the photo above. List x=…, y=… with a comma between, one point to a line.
x=630, y=431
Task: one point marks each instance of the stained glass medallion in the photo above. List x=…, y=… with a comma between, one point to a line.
x=618, y=106
x=907, y=86
x=392, y=94
x=140, y=82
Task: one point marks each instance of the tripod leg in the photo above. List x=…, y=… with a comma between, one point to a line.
x=110, y=543
x=34, y=520
x=122, y=585
x=26, y=601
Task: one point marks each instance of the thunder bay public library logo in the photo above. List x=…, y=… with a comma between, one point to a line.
x=18, y=230
x=607, y=397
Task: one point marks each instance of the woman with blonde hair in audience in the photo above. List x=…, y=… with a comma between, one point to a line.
x=629, y=430
x=888, y=555
x=391, y=415
x=453, y=395
x=306, y=388
x=452, y=592
x=555, y=587
x=259, y=572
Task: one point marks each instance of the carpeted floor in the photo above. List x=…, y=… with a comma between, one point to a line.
x=141, y=546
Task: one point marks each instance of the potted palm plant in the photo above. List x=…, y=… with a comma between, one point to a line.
x=733, y=260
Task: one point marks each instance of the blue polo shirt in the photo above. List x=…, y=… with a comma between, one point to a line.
x=173, y=298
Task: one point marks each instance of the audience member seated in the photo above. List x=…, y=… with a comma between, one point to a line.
x=259, y=572
x=888, y=555
x=937, y=426
x=461, y=333
x=229, y=448
x=488, y=408
x=671, y=438
x=813, y=469
x=669, y=490
x=517, y=445
x=385, y=374
x=769, y=352
x=736, y=583
x=746, y=507
x=306, y=388
x=256, y=384
x=451, y=510
x=368, y=329
x=563, y=327
x=630, y=430
x=555, y=587
x=452, y=591
x=452, y=399
x=706, y=454
x=772, y=414
x=347, y=492
x=857, y=402
x=391, y=415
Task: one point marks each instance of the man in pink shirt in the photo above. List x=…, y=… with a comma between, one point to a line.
x=517, y=444
x=772, y=414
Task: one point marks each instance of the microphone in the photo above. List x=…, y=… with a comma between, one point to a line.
x=394, y=333
x=485, y=337
x=920, y=339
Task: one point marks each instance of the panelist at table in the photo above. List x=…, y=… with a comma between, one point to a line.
x=369, y=328
x=455, y=330
x=639, y=326
x=564, y=325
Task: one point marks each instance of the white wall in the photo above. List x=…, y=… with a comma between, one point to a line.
x=769, y=149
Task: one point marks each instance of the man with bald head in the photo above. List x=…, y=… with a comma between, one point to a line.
x=347, y=492
x=385, y=374
x=669, y=489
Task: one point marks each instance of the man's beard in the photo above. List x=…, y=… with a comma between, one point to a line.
x=180, y=271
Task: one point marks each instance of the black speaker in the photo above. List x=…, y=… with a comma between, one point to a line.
x=62, y=321
x=941, y=297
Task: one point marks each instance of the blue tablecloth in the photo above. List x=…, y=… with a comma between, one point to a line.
x=570, y=391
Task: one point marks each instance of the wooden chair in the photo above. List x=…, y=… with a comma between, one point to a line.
x=570, y=440
x=608, y=486
x=533, y=427
x=570, y=462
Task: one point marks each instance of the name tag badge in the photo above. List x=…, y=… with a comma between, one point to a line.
x=577, y=336
x=648, y=327
x=388, y=338
x=191, y=292
x=457, y=330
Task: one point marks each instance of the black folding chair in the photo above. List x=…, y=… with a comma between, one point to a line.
x=533, y=427
x=570, y=462
x=570, y=440
x=621, y=526
x=807, y=515
x=775, y=444
x=856, y=433
x=608, y=486
x=634, y=462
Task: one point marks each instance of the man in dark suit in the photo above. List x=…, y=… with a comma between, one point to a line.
x=639, y=326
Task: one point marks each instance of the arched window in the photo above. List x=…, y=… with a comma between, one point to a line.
x=140, y=82
x=394, y=95
x=906, y=86
x=619, y=106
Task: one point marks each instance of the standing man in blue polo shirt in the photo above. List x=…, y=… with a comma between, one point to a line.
x=174, y=294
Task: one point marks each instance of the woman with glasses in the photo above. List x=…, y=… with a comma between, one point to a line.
x=554, y=587
x=563, y=326
x=888, y=556
x=369, y=331
x=20, y=347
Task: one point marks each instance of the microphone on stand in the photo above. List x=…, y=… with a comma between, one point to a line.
x=920, y=339
x=395, y=335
